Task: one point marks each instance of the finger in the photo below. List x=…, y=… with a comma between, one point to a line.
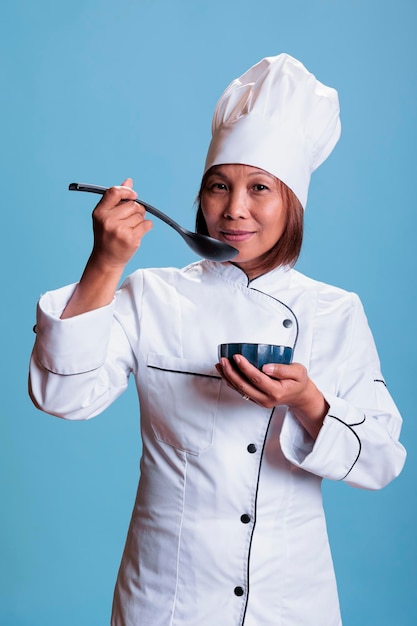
x=126, y=209
x=127, y=228
x=115, y=195
x=250, y=372
x=142, y=228
x=238, y=380
x=261, y=389
x=229, y=383
x=222, y=368
x=267, y=396
x=259, y=386
x=112, y=218
x=281, y=371
x=128, y=182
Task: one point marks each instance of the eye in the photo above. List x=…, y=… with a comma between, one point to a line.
x=216, y=187
x=260, y=187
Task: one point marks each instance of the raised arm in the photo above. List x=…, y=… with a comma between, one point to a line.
x=118, y=224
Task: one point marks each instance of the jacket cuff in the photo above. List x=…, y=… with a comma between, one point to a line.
x=74, y=345
x=337, y=448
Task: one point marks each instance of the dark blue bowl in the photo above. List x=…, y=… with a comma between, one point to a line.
x=257, y=353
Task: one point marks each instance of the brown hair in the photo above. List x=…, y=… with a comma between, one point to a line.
x=287, y=249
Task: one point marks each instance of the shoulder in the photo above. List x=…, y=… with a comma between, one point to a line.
x=329, y=298
x=164, y=274
x=325, y=290
x=337, y=317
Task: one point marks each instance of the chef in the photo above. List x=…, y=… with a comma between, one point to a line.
x=228, y=525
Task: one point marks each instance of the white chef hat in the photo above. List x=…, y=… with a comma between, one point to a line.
x=277, y=116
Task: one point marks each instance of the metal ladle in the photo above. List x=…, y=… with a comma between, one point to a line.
x=202, y=245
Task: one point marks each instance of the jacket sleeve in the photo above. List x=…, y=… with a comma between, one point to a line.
x=359, y=439
x=80, y=365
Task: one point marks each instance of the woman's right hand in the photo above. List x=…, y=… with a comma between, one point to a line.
x=119, y=224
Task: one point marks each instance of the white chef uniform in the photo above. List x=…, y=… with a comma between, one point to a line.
x=228, y=526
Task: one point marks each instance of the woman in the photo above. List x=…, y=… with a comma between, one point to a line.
x=228, y=525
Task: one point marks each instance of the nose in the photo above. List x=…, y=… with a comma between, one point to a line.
x=236, y=206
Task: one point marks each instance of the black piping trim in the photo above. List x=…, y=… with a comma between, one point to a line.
x=286, y=306
x=357, y=437
x=254, y=518
x=356, y=424
x=379, y=380
x=163, y=369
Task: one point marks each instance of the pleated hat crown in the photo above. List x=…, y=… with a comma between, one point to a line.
x=277, y=116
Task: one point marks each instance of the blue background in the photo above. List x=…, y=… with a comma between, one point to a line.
x=97, y=90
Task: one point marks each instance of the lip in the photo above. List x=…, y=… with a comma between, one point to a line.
x=236, y=235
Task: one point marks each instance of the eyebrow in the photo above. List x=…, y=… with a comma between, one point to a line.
x=217, y=173
x=262, y=173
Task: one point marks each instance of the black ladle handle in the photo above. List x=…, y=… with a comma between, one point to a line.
x=151, y=209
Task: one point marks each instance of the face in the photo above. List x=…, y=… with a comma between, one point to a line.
x=243, y=206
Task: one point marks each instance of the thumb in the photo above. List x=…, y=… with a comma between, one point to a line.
x=275, y=370
x=128, y=183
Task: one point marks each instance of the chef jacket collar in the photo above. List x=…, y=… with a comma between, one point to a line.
x=278, y=276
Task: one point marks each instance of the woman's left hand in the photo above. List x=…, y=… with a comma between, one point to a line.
x=278, y=384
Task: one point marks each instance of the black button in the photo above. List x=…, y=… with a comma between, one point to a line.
x=251, y=448
x=287, y=323
x=245, y=518
x=239, y=591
